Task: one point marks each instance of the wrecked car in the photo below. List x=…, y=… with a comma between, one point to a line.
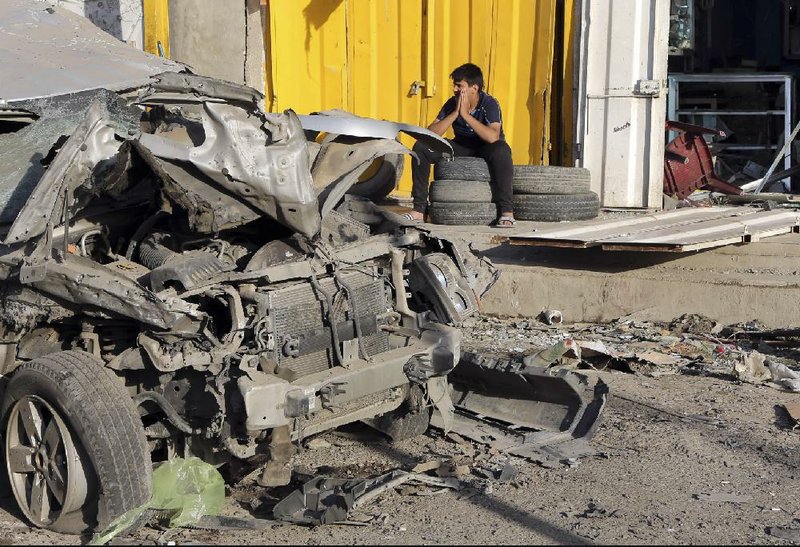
x=184, y=273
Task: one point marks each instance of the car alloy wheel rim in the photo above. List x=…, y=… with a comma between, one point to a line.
x=44, y=464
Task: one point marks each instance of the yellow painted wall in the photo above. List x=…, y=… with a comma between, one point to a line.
x=365, y=55
x=156, y=25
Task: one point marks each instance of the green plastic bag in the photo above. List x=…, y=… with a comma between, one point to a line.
x=184, y=489
x=188, y=489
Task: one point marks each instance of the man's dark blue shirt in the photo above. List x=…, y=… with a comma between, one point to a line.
x=487, y=112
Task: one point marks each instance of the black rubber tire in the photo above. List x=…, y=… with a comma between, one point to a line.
x=550, y=179
x=460, y=191
x=462, y=168
x=556, y=207
x=407, y=421
x=383, y=182
x=462, y=214
x=101, y=415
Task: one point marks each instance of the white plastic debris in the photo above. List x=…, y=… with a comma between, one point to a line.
x=784, y=376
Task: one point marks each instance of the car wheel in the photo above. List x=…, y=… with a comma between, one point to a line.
x=75, y=449
x=464, y=191
x=462, y=168
x=410, y=419
x=457, y=213
x=550, y=179
x=556, y=207
x=383, y=182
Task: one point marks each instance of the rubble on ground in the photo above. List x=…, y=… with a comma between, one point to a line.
x=690, y=344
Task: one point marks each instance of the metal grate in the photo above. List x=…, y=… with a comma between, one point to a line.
x=299, y=314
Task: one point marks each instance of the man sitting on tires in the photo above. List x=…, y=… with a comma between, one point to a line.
x=478, y=127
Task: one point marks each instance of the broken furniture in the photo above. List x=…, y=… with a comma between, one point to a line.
x=688, y=165
x=708, y=111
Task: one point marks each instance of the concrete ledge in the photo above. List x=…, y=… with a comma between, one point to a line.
x=728, y=284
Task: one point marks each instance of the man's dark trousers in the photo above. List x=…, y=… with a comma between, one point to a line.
x=497, y=156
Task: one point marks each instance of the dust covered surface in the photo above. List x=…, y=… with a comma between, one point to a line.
x=677, y=444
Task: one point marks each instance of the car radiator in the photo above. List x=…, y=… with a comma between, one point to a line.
x=302, y=322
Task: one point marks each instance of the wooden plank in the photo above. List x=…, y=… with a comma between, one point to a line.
x=587, y=235
x=716, y=229
x=669, y=231
x=745, y=231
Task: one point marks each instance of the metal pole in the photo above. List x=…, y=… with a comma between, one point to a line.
x=777, y=159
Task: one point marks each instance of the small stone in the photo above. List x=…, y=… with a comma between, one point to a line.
x=317, y=444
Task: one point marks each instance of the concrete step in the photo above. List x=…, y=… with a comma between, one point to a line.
x=729, y=284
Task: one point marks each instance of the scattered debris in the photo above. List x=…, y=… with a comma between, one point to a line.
x=452, y=470
x=425, y=467
x=594, y=511
x=658, y=358
x=552, y=317
x=751, y=368
x=693, y=323
x=325, y=500
x=508, y=473
x=723, y=498
x=784, y=376
x=565, y=352
x=690, y=344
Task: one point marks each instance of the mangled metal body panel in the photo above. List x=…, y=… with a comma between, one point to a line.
x=205, y=251
x=87, y=58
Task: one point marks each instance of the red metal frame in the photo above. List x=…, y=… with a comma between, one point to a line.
x=688, y=164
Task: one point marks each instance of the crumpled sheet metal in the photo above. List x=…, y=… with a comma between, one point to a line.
x=22, y=152
x=85, y=282
x=263, y=162
x=93, y=141
x=338, y=167
x=64, y=53
x=324, y=500
x=176, y=87
x=343, y=123
x=538, y=412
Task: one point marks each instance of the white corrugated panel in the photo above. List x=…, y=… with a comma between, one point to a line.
x=622, y=99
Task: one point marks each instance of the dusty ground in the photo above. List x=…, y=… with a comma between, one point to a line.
x=668, y=440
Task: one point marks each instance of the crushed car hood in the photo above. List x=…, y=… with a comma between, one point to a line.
x=47, y=51
x=219, y=155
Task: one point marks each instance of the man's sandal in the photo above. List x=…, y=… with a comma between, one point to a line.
x=505, y=221
x=409, y=216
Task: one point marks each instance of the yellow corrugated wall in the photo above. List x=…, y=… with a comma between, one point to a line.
x=365, y=56
x=156, y=25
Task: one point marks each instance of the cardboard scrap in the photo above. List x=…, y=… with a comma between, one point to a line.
x=658, y=358
x=751, y=368
x=793, y=409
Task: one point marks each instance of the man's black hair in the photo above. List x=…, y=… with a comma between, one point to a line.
x=469, y=73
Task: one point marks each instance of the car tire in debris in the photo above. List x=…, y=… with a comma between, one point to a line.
x=460, y=191
x=459, y=213
x=462, y=168
x=550, y=179
x=383, y=182
x=74, y=446
x=556, y=207
x=410, y=419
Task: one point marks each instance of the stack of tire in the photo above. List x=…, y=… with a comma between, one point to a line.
x=460, y=193
x=551, y=193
